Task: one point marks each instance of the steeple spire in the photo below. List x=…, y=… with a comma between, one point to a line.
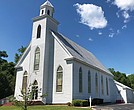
x=47, y=3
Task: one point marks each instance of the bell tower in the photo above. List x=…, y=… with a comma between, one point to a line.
x=42, y=49
x=47, y=8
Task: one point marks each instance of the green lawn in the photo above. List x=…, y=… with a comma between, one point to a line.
x=49, y=107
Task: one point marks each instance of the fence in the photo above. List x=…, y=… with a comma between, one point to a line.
x=3, y=101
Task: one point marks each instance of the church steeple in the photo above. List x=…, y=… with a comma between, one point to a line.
x=46, y=9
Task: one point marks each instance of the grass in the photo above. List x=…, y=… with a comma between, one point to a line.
x=49, y=107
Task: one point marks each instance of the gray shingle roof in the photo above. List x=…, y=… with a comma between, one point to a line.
x=80, y=53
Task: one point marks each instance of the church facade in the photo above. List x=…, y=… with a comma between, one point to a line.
x=59, y=67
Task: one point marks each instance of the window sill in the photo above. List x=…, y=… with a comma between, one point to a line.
x=59, y=92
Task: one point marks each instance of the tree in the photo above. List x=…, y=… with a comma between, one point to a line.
x=3, y=54
x=27, y=97
x=7, y=76
x=19, y=54
x=131, y=79
x=8, y=73
x=121, y=77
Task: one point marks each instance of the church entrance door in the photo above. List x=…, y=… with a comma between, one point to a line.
x=35, y=90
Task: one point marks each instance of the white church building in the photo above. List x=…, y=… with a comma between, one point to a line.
x=59, y=67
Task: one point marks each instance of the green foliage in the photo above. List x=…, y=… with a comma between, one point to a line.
x=7, y=76
x=122, y=78
x=49, y=107
x=76, y=103
x=18, y=104
x=19, y=54
x=44, y=95
x=27, y=98
x=84, y=103
x=8, y=73
x=131, y=79
x=80, y=102
x=3, y=54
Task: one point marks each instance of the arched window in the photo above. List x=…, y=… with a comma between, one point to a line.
x=39, y=31
x=96, y=83
x=24, y=83
x=107, y=86
x=80, y=79
x=89, y=82
x=48, y=12
x=35, y=90
x=37, y=59
x=42, y=12
x=59, y=79
x=102, y=85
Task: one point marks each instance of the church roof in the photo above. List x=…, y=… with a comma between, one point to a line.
x=47, y=3
x=80, y=53
x=122, y=85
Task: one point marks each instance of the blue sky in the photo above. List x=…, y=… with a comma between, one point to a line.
x=104, y=27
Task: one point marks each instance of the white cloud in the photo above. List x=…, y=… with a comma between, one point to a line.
x=125, y=4
x=90, y=39
x=111, y=29
x=77, y=36
x=118, y=31
x=117, y=14
x=113, y=32
x=91, y=15
x=111, y=35
x=100, y=33
x=107, y=1
x=126, y=20
x=125, y=26
x=125, y=15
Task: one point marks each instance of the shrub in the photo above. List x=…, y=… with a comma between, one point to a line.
x=80, y=102
x=84, y=103
x=18, y=103
x=76, y=102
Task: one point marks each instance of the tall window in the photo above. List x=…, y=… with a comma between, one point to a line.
x=39, y=31
x=59, y=79
x=89, y=82
x=37, y=59
x=107, y=86
x=24, y=83
x=102, y=85
x=35, y=90
x=80, y=79
x=96, y=83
